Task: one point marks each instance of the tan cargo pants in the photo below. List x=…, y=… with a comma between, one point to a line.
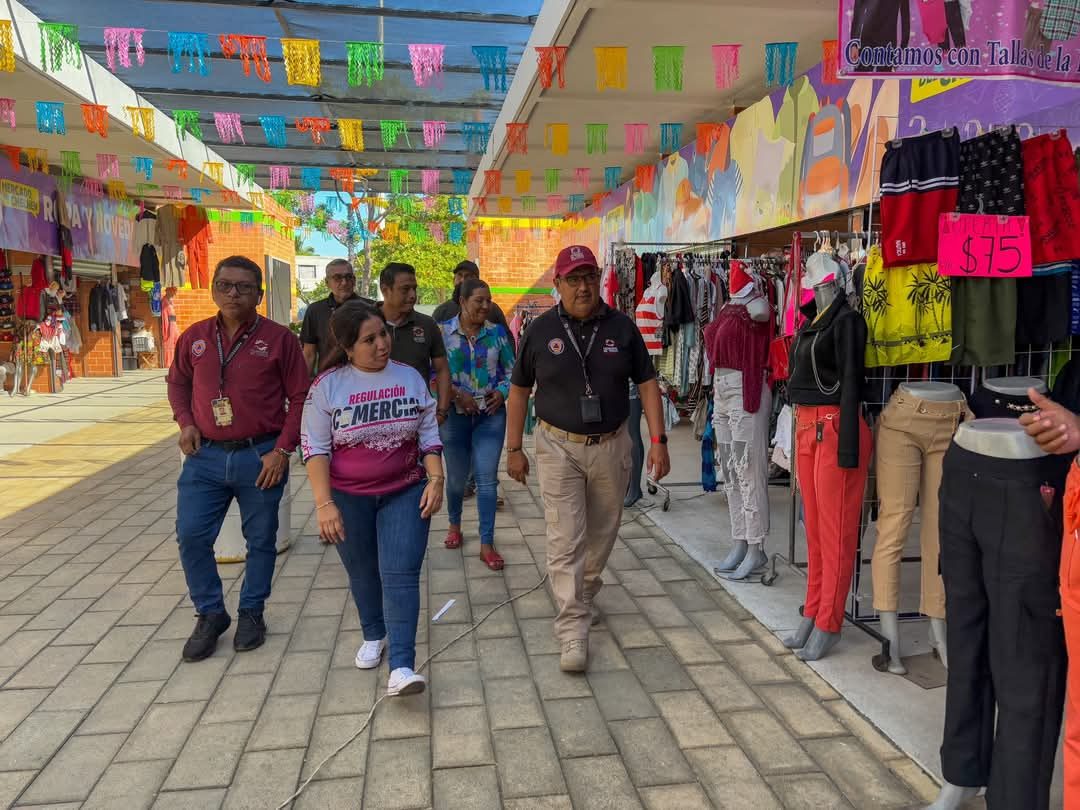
x=583, y=487
x=913, y=435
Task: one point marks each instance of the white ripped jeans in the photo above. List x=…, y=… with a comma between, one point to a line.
x=742, y=450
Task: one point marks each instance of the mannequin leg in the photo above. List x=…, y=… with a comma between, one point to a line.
x=807, y=449
x=840, y=491
x=30, y=380
x=932, y=588
x=898, y=464
x=952, y=797
x=801, y=635
x=733, y=559
x=750, y=453
x=637, y=454
x=818, y=645
x=724, y=419
x=937, y=640
x=890, y=628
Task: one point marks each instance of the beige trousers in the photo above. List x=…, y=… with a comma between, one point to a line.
x=913, y=435
x=583, y=487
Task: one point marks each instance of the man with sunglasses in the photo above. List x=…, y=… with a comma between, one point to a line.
x=581, y=356
x=315, y=331
x=237, y=389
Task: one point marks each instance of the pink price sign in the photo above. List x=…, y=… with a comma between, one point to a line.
x=984, y=246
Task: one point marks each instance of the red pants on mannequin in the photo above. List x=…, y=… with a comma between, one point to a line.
x=1070, y=610
x=832, y=500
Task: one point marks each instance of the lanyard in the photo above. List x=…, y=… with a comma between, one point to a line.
x=232, y=352
x=583, y=356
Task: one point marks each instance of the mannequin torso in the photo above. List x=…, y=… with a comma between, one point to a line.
x=758, y=308
x=1015, y=386
x=935, y=391
x=997, y=438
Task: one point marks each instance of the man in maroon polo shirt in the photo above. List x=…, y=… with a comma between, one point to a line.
x=237, y=390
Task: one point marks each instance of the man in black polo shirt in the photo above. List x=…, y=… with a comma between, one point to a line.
x=465, y=271
x=315, y=334
x=416, y=340
x=581, y=356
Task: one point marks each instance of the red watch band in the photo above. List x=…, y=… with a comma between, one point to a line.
x=658, y=440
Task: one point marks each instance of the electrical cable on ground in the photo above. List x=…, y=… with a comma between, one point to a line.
x=375, y=705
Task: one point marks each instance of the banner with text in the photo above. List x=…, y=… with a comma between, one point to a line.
x=27, y=211
x=984, y=246
x=938, y=38
x=102, y=229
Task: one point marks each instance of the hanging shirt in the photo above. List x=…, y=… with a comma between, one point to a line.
x=649, y=318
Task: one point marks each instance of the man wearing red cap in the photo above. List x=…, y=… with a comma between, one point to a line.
x=581, y=356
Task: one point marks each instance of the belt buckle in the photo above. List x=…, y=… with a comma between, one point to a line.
x=592, y=439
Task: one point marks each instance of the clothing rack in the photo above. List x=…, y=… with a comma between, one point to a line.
x=712, y=250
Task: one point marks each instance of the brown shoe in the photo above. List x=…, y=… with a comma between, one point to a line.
x=575, y=654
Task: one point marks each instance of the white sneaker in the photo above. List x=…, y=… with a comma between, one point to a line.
x=370, y=654
x=403, y=681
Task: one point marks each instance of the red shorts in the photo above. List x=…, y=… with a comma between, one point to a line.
x=920, y=180
x=1052, y=198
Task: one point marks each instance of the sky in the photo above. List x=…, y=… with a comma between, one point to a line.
x=322, y=244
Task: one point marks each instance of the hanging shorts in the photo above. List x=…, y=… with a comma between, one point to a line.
x=985, y=309
x=1052, y=198
x=1044, y=306
x=919, y=182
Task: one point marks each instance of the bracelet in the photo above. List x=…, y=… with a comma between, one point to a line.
x=321, y=505
x=513, y=449
x=436, y=478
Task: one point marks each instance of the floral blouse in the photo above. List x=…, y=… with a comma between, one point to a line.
x=481, y=364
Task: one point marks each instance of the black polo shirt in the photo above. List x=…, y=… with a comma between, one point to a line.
x=547, y=360
x=417, y=340
x=316, y=326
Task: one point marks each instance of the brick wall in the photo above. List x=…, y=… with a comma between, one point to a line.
x=518, y=263
x=231, y=239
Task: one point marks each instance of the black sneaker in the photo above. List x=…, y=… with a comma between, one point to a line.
x=203, y=640
x=250, y=630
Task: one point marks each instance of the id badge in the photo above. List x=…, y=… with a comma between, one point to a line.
x=223, y=414
x=591, y=412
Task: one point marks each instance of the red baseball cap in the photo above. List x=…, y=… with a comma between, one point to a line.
x=572, y=258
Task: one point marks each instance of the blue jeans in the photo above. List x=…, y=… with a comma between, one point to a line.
x=209, y=481
x=385, y=543
x=476, y=442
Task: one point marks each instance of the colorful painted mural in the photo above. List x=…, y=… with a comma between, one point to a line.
x=814, y=149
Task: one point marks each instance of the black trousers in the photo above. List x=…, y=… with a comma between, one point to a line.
x=1000, y=549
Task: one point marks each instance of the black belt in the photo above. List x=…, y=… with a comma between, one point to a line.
x=240, y=444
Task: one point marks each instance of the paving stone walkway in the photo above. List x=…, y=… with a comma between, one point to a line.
x=689, y=702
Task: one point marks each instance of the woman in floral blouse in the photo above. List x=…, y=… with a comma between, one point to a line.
x=481, y=359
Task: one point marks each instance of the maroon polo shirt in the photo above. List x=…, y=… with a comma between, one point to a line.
x=268, y=371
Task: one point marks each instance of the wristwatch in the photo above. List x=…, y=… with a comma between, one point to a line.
x=283, y=451
x=661, y=439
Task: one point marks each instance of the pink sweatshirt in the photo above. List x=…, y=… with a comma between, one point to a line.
x=375, y=427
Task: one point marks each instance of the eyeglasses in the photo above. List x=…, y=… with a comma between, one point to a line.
x=340, y=277
x=583, y=280
x=241, y=287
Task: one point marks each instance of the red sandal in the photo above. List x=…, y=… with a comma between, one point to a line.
x=454, y=539
x=492, y=559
